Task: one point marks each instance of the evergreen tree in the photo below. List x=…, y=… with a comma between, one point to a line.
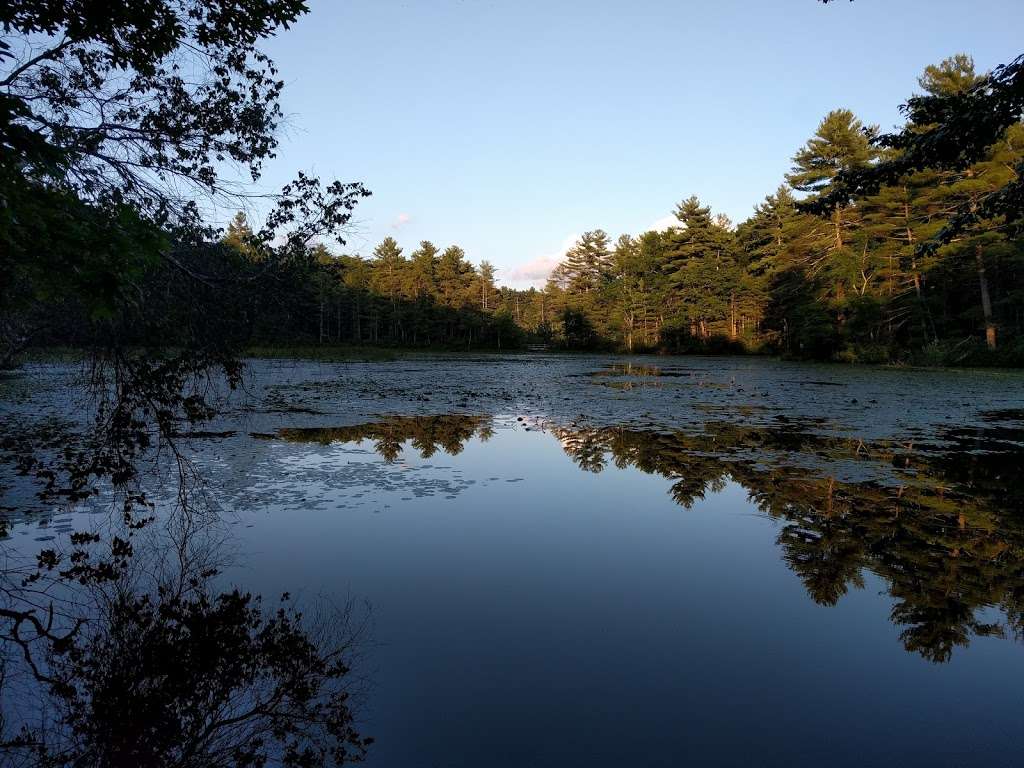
x=628, y=281
x=389, y=267
x=896, y=221
x=700, y=266
x=486, y=283
x=954, y=76
x=654, y=248
x=423, y=271
x=840, y=144
x=774, y=243
x=453, y=276
x=768, y=239
x=587, y=262
x=981, y=244
x=239, y=235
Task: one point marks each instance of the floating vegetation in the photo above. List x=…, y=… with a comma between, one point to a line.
x=640, y=370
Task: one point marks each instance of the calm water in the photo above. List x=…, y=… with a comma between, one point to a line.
x=533, y=611
x=755, y=591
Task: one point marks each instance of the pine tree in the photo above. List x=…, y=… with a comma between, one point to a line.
x=700, y=267
x=486, y=283
x=239, y=236
x=389, y=266
x=769, y=239
x=981, y=242
x=896, y=221
x=903, y=215
x=774, y=245
x=587, y=262
x=628, y=281
x=453, y=276
x=357, y=276
x=422, y=271
x=840, y=144
x=653, y=250
x=953, y=76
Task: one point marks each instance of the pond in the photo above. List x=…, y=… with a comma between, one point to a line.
x=592, y=561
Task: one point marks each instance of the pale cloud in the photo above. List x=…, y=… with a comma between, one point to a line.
x=400, y=219
x=665, y=222
x=536, y=271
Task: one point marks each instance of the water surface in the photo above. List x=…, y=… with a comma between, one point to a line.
x=696, y=567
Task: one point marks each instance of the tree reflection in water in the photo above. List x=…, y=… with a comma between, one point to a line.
x=122, y=647
x=156, y=666
x=145, y=662
x=945, y=531
x=426, y=434
x=949, y=541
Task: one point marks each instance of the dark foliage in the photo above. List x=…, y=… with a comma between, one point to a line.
x=115, y=120
x=194, y=680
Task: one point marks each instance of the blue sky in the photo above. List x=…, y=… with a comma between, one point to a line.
x=511, y=127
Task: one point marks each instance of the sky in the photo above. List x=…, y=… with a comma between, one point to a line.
x=510, y=128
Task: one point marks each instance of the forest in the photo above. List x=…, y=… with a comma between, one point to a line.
x=908, y=268
x=869, y=281
x=859, y=283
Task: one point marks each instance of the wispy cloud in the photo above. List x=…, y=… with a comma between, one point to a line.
x=535, y=272
x=665, y=222
x=400, y=220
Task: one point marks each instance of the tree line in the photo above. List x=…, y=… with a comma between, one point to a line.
x=428, y=298
x=818, y=270
x=823, y=269
x=918, y=266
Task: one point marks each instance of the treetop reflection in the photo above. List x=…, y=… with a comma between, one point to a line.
x=427, y=434
x=944, y=530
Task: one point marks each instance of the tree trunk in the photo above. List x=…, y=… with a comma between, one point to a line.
x=986, y=302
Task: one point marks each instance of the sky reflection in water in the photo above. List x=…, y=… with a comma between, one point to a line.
x=734, y=607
